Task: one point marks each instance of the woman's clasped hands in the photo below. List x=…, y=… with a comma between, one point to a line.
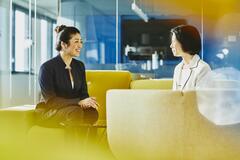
x=89, y=102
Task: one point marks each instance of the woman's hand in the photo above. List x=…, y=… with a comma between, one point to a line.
x=88, y=102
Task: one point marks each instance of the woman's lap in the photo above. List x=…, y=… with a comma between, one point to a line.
x=67, y=116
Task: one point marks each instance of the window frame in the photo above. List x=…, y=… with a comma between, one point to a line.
x=50, y=24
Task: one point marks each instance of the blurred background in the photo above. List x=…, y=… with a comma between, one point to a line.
x=118, y=35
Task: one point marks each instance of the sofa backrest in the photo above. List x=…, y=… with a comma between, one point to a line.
x=152, y=84
x=162, y=124
x=100, y=81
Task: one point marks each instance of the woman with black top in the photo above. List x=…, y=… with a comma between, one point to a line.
x=63, y=84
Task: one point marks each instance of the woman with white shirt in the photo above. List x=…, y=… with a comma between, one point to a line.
x=186, y=43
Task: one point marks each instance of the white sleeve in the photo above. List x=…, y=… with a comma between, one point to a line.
x=202, y=74
x=174, y=87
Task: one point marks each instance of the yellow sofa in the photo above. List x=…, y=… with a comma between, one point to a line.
x=19, y=133
x=21, y=138
x=152, y=84
x=163, y=124
x=14, y=125
x=101, y=81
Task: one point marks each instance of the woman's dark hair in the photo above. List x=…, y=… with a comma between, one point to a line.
x=189, y=38
x=64, y=34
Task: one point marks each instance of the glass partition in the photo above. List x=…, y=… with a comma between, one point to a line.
x=29, y=42
x=96, y=20
x=118, y=35
x=143, y=47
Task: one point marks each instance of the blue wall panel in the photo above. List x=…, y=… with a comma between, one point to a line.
x=102, y=29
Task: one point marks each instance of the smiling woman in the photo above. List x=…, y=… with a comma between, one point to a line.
x=63, y=84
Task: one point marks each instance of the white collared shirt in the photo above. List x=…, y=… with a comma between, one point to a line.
x=188, y=78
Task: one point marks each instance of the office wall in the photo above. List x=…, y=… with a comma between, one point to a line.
x=4, y=52
x=98, y=27
x=98, y=30
x=19, y=88
x=22, y=90
x=16, y=88
x=216, y=21
x=220, y=30
x=222, y=39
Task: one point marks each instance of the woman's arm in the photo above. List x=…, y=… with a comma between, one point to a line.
x=174, y=87
x=202, y=74
x=86, y=101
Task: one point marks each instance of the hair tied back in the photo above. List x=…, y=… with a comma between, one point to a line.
x=58, y=29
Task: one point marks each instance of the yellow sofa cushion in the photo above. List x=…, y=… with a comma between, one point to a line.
x=100, y=81
x=14, y=124
x=152, y=84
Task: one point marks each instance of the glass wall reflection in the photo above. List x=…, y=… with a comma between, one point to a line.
x=96, y=20
x=115, y=37
x=26, y=32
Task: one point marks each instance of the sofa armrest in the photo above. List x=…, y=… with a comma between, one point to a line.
x=14, y=123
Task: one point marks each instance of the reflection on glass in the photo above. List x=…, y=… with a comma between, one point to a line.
x=20, y=54
x=99, y=28
x=54, y=40
x=43, y=40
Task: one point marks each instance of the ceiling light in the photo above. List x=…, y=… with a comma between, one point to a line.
x=225, y=51
x=139, y=12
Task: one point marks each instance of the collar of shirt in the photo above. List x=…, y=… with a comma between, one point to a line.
x=193, y=63
x=63, y=64
x=68, y=67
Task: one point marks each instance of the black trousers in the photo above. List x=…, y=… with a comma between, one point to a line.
x=67, y=116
